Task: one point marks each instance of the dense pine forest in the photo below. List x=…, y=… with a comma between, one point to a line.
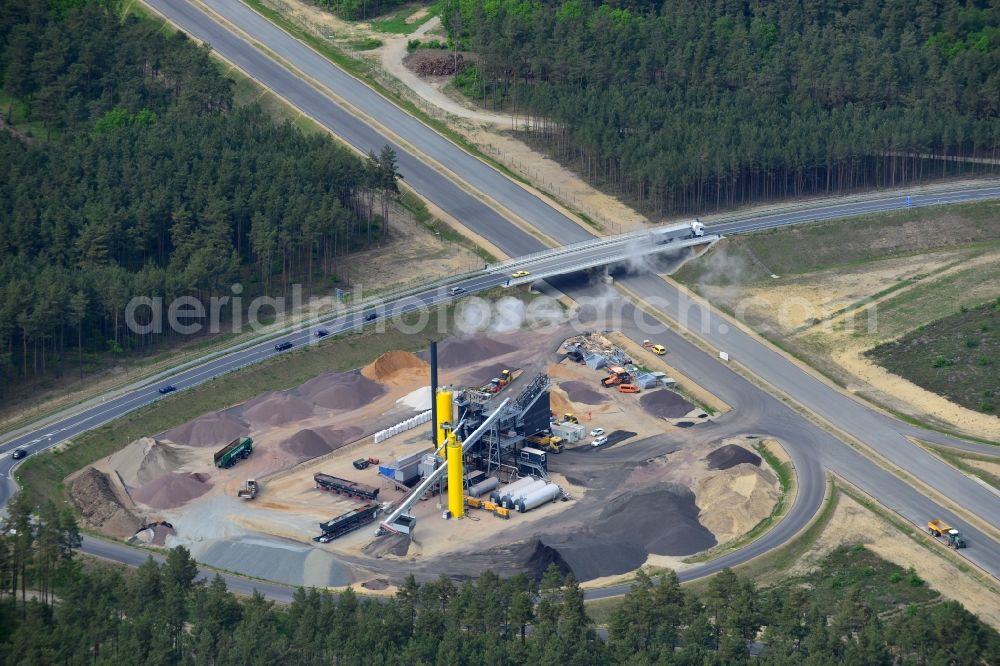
x=688, y=105
x=55, y=608
x=126, y=170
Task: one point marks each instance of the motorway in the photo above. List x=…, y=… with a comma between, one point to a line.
x=813, y=449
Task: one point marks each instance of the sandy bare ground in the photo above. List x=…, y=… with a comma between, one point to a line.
x=803, y=311
x=852, y=523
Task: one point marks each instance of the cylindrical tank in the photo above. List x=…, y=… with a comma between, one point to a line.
x=538, y=497
x=510, y=501
x=484, y=487
x=498, y=495
x=456, y=502
x=443, y=401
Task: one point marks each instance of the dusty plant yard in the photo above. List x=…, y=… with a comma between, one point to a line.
x=853, y=523
x=860, y=298
x=656, y=465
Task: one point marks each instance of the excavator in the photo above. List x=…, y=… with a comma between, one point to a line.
x=618, y=376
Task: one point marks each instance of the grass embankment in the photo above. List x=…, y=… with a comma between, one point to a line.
x=42, y=476
x=957, y=357
x=964, y=461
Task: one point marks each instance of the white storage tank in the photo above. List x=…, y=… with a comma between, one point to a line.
x=484, y=487
x=509, y=501
x=538, y=497
x=497, y=495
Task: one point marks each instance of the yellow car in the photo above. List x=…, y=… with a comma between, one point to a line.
x=659, y=350
x=520, y=274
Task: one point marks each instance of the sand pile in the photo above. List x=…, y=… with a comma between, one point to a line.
x=733, y=501
x=93, y=494
x=457, y=352
x=146, y=459
x=665, y=404
x=581, y=393
x=341, y=390
x=276, y=408
x=311, y=443
x=172, y=490
x=418, y=400
x=396, y=367
x=215, y=429
x=731, y=455
x=393, y=545
x=632, y=526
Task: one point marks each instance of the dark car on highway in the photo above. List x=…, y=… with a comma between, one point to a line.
x=322, y=333
x=371, y=316
x=169, y=388
x=18, y=454
x=282, y=346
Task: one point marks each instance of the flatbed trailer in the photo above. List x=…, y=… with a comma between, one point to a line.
x=347, y=522
x=333, y=484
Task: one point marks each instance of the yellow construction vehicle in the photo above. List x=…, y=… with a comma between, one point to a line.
x=570, y=418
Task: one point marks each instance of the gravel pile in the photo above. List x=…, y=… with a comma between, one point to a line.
x=665, y=404
x=311, y=443
x=731, y=455
x=215, y=429
x=93, y=495
x=275, y=409
x=457, y=352
x=341, y=390
x=583, y=394
x=146, y=459
x=172, y=490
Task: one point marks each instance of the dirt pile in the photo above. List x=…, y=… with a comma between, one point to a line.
x=665, y=404
x=341, y=390
x=94, y=495
x=376, y=584
x=731, y=455
x=733, y=501
x=312, y=443
x=632, y=526
x=172, y=490
x=393, y=545
x=457, y=352
x=581, y=393
x=215, y=429
x=428, y=62
x=396, y=367
x=276, y=408
x=146, y=459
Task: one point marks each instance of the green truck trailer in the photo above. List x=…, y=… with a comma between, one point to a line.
x=231, y=453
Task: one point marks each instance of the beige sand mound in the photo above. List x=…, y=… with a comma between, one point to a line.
x=93, y=494
x=392, y=367
x=146, y=459
x=733, y=501
x=172, y=490
x=276, y=408
x=341, y=390
x=215, y=429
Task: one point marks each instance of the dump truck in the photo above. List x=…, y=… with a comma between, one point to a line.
x=248, y=491
x=618, y=376
x=231, y=453
x=550, y=443
x=943, y=530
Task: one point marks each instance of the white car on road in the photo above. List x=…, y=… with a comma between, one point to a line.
x=600, y=441
x=597, y=432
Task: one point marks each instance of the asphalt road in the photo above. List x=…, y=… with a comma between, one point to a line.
x=851, y=416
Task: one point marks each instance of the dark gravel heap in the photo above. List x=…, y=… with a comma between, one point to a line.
x=731, y=455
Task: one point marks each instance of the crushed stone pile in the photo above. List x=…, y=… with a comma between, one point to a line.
x=172, y=490
x=341, y=390
x=276, y=408
x=394, y=545
x=581, y=393
x=146, y=459
x=396, y=366
x=419, y=400
x=731, y=455
x=734, y=500
x=314, y=442
x=215, y=429
x=665, y=404
x=457, y=352
x=93, y=494
x=630, y=527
